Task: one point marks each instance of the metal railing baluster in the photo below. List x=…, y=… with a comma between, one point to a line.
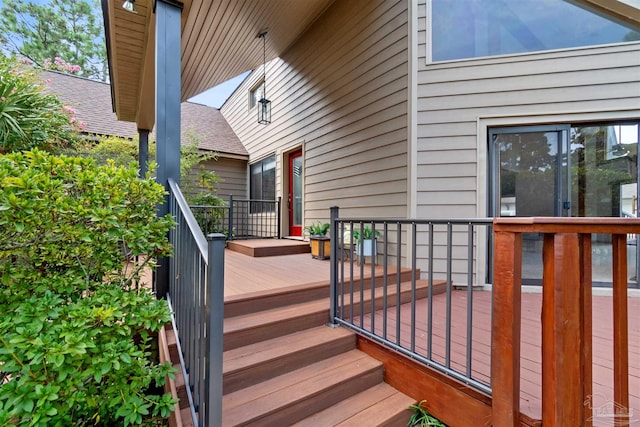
x=440, y=239
x=196, y=297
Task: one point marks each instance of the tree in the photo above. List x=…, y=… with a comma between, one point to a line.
x=55, y=30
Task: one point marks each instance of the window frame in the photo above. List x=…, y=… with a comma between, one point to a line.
x=253, y=92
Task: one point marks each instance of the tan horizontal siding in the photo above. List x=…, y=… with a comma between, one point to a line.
x=233, y=174
x=454, y=96
x=340, y=92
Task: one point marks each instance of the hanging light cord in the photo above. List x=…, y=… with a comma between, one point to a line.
x=264, y=64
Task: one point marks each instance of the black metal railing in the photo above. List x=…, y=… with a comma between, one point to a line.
x=196, y=298
x=396, y=306
x=242, y=219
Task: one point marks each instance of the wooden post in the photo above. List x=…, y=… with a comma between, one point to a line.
x=587, y=330
x=620, y=331
x=505, y=348
x=563, y=334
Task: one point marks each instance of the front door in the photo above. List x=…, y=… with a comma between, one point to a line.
x=567, y=170
x=295, y=193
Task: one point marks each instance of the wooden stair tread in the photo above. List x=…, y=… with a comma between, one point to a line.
x=292, y=396
x=232, y=324
x=245, y=321
x=381, y=403
x=392, y=411
x=248, y=365
x=256, y=353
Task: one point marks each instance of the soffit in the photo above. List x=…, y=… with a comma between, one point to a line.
x=219, y=41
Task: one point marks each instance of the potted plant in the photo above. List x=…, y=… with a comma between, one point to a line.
x=320, y=243
x=366, y=238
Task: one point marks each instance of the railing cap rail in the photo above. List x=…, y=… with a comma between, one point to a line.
x=199, y=237
x=586, y=225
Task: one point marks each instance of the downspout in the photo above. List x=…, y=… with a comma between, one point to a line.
x=412, y=119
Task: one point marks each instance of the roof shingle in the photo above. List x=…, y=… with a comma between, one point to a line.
x=91, y=101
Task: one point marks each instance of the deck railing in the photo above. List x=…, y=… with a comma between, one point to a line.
x=196, y=297
x=441, y=246
x=566, y=318
x=242, y=219
x=435, y=251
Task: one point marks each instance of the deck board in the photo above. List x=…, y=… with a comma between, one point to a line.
x=244, y=275
x=531, y=368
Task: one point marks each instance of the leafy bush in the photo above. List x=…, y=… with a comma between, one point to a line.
x=121, y=151
x=76, y=326
x=29, y=117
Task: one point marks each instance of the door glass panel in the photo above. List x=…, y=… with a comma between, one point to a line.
x=529, y=186
x=297, y=190
x=604, y=183
x=528, y=173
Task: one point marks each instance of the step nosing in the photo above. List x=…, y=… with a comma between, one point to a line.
x=342, y=363
x=297, y=340
x=261, y=360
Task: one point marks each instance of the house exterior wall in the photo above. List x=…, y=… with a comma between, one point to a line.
x=457, y=101
x=233, y=177
x=339, y=93
x=232, y=174
x=386, y=133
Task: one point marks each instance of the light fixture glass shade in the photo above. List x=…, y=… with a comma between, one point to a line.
x=264, y=111
x=130, y=6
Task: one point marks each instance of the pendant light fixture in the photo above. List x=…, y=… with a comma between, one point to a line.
x=264, y=105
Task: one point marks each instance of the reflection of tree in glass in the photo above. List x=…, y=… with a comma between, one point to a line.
x=525, y=152
x=631, y=36
x=595, y=178
x=527, y=163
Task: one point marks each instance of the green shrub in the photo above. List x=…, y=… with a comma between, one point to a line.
x=29, y=117
x=76, y=328
x=121, y=151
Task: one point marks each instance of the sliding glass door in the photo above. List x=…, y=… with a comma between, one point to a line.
x=566, y=170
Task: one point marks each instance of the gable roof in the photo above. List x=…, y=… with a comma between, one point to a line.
x=91, y=101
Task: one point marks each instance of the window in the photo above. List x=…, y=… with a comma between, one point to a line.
x=256, y=94
x=262, y=184
x=476, y=28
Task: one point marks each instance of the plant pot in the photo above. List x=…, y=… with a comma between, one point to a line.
x=320, y=247
x=368, y=247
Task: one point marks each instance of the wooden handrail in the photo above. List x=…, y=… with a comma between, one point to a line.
x=566, y=317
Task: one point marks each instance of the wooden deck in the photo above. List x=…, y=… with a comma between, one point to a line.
x=531, y=367
x=269, y=247
x=246, y=275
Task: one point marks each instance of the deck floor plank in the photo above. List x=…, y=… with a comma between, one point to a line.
x=244, y=275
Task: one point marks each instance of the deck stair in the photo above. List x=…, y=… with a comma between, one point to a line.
x=283, y=366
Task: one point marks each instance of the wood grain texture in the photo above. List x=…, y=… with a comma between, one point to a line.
x=451, y=402
x=620, y=330
x=505, y=349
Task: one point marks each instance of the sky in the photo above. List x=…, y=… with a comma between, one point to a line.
x=216, y=96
